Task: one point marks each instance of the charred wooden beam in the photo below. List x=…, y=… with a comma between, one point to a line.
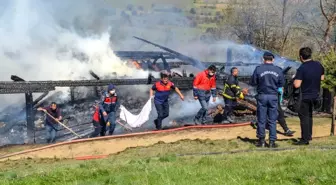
x=37, y=100
x=143, y=55
x=14, y=90
x=43, y=86
x=30, y=115
x=165, y=64
x=94, y=75
x=72, y=94
x=29, y=111
x=178, y=55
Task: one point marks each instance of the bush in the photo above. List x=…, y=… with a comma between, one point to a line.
x=329, y=63
x=192, y=11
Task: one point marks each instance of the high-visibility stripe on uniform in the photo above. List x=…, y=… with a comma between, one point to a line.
x=226, y=95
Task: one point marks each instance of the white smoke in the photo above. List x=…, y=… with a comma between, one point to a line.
x=39, y=44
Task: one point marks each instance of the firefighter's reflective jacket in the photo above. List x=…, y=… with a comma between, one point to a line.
x=231, y=89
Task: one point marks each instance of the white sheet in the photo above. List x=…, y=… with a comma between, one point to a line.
x=136, y=120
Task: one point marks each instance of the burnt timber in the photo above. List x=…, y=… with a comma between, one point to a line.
x=7, y=87
x=146, y=58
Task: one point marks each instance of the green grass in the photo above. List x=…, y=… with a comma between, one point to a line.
x=316, y=121
x=302, y=167
x=159, y=164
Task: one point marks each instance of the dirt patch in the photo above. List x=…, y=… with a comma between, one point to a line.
x=115, y=145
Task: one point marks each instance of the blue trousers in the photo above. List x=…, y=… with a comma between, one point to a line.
x=162, y=111
x=51, y=133
x=111, y=117
x=201, y=114
x=229, y=107
x=267, y=107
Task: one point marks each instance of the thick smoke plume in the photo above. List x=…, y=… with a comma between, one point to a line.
x=58, y=40
x=63, y=40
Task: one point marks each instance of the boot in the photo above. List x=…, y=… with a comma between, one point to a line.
x=196, y=121
x=261, y=143
x=302, y=142
x=156, y=124
x=272, y=144
x=289, y=133
x=230, y=119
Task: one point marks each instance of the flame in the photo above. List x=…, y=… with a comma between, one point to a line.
x=136, y=64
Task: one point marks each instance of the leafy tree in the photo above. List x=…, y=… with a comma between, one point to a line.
x=192, y=11
x=329, y=63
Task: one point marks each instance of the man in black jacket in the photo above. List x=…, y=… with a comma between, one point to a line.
x=308, y=78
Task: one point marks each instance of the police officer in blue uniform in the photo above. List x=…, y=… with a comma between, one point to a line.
x=268, y=78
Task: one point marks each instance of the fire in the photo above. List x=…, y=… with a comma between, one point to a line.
x=136, y=64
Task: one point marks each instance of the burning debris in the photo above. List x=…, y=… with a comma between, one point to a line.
x=78, y=110
x=2, y=124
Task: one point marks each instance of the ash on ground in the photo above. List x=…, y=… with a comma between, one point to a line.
x=77, y=114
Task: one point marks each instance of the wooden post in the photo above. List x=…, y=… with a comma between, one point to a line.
x=30, y=118
x=72, y=94
x=333, y=118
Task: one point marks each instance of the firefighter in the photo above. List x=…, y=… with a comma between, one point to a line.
x=51, y=124
x=231, y=93
x=108, y=108
x=204, y=86
x=162, y=90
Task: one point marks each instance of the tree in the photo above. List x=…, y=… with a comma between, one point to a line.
x=328, y=10
x=193, y=11
x=329, y=63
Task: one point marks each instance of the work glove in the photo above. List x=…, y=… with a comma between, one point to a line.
x=241, y=96
x=280, y=91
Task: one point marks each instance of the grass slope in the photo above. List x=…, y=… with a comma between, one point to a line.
x=159, y=164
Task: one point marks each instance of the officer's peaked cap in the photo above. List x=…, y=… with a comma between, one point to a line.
x=268, y=54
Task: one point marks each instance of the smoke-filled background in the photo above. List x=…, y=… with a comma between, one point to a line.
x=63, y=40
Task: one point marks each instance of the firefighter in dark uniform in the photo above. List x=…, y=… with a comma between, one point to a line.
x=107, y=109
x=268, y=78
x=231, y=93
